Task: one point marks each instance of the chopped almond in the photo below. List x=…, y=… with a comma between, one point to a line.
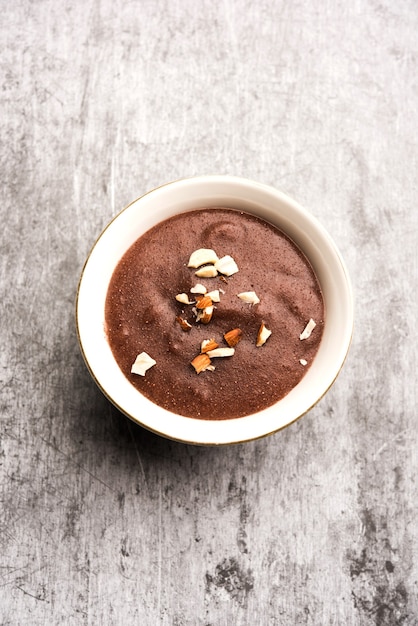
x=233, y=337
x=220, y=352
x=226, y=265
x=208, y=344
x=204, y=302
x=263, y=334
x=201, y=363
x=201, y=289
x=143, y=362
x=307, y=330
x=250, y=297
x=183, y=298
x=183, y=323
x=203, y=256
x=208, y=271
x=205, y=315
x=214, y=295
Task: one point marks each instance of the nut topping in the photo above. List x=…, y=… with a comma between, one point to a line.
x=183, y=298
x=201, y=363
x=183, y=323
x=143, y=362
x=262, y=336
x=205, y=315
x=214, y=295
x=207, y=265
x=233, y=337
x=208, y=271
x=308, y=330
x=226, y=265
x=204, y=302
x=203, y=256
x=208, y=344
x=250, y=297
x=220, y=352
x=198, y=289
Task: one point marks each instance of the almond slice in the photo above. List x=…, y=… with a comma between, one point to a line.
x=198, y=288
x=226, y=265
x=202, y=257
x=214, y=295
x=183, y=323
x=208, y=271
x=220, y=352
x=232, y=337
x=143, y=362
x=250, y=297
x=308, y=330
x=262, y=336
x=183, y=298
x=201, y=363
x=208, y=344
x=204, y=302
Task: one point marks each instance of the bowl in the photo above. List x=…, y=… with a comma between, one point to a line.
x=188, y=194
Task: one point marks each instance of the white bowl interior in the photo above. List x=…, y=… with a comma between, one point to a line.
x=186, y=195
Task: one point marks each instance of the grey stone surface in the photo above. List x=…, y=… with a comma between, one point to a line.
x=102, y=522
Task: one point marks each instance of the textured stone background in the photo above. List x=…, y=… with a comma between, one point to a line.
x=102, y=522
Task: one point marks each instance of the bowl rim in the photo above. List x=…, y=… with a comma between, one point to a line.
x=209, y=432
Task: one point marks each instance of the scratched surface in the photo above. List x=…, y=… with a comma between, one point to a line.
x=102, y=522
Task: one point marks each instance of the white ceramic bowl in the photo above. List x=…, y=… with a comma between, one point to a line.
x=184, y=195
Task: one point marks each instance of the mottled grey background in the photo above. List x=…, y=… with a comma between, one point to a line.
x=102, y=522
